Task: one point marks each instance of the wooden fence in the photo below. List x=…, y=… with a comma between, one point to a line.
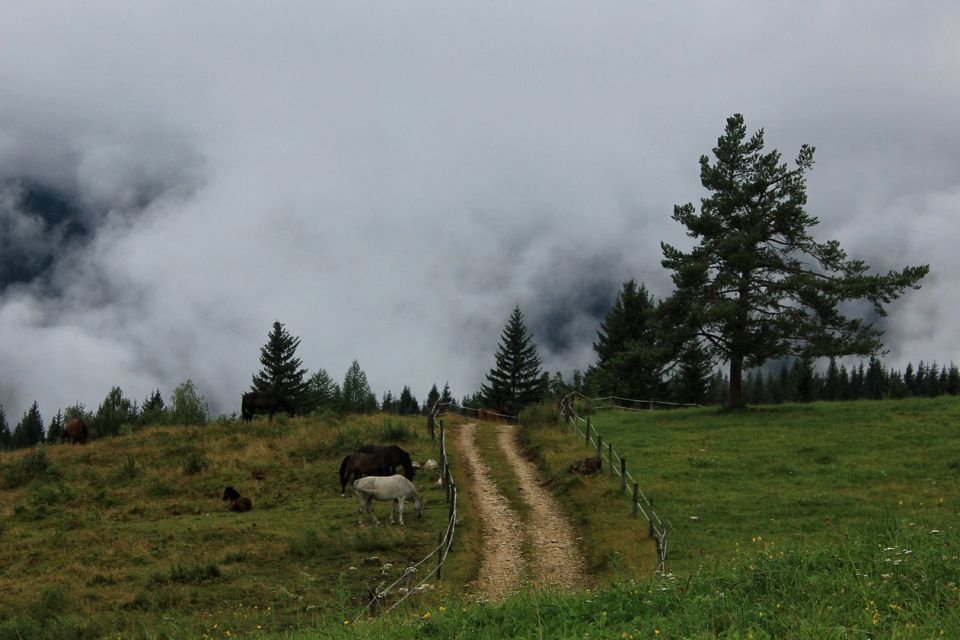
x=403, y=587
x=617, y=465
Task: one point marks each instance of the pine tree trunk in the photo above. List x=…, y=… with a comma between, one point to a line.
x=736, y=383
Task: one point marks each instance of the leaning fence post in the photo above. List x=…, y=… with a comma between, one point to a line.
x=610, y=457
x=623, y=476
x=650, y=517
x=587, y=438
x=635, y=504
x=599, y=445
x=430, y=430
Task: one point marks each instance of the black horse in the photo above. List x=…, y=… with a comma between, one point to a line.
x=263, y=402
x=358, y=464
x=393, y=456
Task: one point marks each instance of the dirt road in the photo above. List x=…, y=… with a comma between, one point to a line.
x=555, y=559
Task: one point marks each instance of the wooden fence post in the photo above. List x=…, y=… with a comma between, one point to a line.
x=439, y=553
x=610, y=457
x=635, y=504
x=650, y=517
x=623, y=476
x=587, y=438
x=430, y=429
x=599, y=446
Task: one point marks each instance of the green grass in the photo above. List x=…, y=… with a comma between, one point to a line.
x=128, y=536
x=891, y=581
x=793, y=473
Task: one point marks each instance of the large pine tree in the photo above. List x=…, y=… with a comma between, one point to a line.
x=514, y=381
x=757, y=285
x=282, y=373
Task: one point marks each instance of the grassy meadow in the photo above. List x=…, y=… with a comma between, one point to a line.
x=804, y=473
x=128, y=536
x=828, y=520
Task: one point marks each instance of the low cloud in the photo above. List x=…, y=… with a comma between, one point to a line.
x=390, y=181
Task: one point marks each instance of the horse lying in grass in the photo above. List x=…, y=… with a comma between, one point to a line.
x=395, y=488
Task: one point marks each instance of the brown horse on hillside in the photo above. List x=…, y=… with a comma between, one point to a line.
x=76, y=431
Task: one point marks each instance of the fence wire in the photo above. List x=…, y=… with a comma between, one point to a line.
x=380, y=595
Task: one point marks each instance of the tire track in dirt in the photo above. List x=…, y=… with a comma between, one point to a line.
x=557, y=561
x=503, y=564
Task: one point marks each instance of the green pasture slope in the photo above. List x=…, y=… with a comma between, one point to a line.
x=797, y=473
x=128, y=537
x=828, y=520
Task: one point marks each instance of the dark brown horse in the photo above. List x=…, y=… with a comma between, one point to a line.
x=358, y=464
x=76, y=431
x=393, y=456
x=262, y=402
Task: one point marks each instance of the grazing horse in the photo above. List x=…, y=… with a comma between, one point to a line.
x=393, y=456
x=357, y=464
x=262, y=402
x=76, y=431
x=395, y=488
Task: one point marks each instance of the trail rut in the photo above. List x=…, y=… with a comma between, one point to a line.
x=556, y=561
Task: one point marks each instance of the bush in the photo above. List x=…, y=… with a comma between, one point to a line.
x=544, y=412
x=195, y=463
x=32, y=466
x=393, y=430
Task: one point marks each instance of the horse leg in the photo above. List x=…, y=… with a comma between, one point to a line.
x=399, y=510
x=368, y=505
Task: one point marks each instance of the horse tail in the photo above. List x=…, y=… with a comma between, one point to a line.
x=343, y=475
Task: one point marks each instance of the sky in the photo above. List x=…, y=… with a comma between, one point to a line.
x=389, y=180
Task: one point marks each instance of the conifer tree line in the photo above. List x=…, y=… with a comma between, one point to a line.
x=281, y=373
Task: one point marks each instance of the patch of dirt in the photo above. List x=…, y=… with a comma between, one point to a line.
x=557, y=561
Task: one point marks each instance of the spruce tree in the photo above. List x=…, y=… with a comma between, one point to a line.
x=6, y=436
x=282, y=373
x=630, y=356
x=29, y=431
x=514, y=381
x=323, y=393
x=408, y=402
x=114, y=411
x=758, y=286
x=55, y=428
x=692, y=383
x=445, y=396
x=153, y=410
x=356, y=396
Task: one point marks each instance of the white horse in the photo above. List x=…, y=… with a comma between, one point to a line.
x=396, y=488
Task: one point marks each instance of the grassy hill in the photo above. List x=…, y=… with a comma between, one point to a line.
x=129, y=535
x=805, y=473
x=829, y=520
